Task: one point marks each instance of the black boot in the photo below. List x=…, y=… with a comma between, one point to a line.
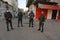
x=38, y=29
x=12, y=28
x=8, y=30
x=42, y=31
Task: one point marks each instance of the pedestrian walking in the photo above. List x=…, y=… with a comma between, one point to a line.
x=8, y=18
x=31, y=17
x=20, y=16
x=41, y=22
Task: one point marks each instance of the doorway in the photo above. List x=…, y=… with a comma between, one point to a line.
x=54, y=14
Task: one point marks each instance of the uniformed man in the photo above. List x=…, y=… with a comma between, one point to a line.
x=41, y=22
x=31, y=16
x=8, y=18
x=20, y=15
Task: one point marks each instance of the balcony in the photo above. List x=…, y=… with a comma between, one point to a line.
x=40, y=1
x=45, y=2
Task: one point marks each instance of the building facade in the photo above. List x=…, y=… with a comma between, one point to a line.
x=58, y=1
x=51, y=8
x=9, y=1
x=14, y=3
x=3, y=8
x=15, y=7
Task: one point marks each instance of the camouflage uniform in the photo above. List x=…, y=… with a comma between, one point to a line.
x=41, y=22
x=8, y=17
x=31, y=16
x=20, y=15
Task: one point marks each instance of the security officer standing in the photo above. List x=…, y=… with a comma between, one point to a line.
x=31, y=17
x=20, y=15
x=8, y=18
x=41, y=22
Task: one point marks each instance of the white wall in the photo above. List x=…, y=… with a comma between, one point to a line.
x=57, y=14
x=49, y=15
x=32, y=8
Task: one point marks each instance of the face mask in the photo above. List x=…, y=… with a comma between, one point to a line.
x=7, y=11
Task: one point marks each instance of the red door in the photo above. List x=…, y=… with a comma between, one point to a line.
x=45, y=12
x=59, y=16
x=38, y=12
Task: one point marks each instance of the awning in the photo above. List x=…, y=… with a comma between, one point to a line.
x=46, y=6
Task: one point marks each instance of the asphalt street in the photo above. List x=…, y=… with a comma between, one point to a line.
x=51, y=31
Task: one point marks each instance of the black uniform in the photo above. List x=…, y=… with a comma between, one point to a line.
x=8, y=17
x=31, y=16
x=41, y=22
x=20, y=15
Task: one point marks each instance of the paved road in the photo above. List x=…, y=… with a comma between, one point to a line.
x=51, y=31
